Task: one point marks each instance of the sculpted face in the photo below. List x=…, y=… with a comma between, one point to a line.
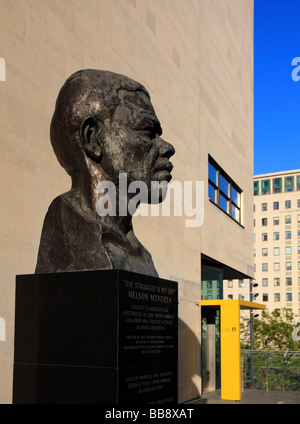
x=109, y=119
x=133, y=142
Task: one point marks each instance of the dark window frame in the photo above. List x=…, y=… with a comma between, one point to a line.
x=220, y=194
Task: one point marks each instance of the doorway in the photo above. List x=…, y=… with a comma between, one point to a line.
x=210, y=349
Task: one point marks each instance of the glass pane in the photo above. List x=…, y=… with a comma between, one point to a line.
x=235, y=213
x=212, y=193
x=212, y=174
x=277, y=182
x=224, y=185
x=265, y=186
x=235, y=196
x=223, y=203
x=289, y=183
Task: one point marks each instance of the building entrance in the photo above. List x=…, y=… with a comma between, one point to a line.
x=210, y=349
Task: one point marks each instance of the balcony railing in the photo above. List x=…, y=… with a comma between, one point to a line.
x=270, y=370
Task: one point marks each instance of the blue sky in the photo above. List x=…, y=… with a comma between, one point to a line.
x=276, y=95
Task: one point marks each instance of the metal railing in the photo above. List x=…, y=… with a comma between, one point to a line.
x=270, y=370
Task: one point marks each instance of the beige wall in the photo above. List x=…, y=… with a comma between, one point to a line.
x=226, y=123
x=195, y=58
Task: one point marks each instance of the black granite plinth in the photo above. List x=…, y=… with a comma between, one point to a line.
x=106, y=337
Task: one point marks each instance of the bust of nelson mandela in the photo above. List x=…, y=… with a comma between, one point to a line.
x=103, y=125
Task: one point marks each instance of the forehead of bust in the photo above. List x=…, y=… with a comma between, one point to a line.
x=99, y=92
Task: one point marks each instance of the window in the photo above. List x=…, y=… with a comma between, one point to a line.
x=265, y=297
x=276, y=281
x=276, y=266
x=241, y=297
x=265, y=267
x=289, y=183
x=241, y=283
x=288, y=250
x=264, y=222
x=287, y=204
x=288, y=281
x=276, y=251
x=265, y=187
x=213, y=182
x=265, y=282
x=298, y=182
x=276, y=236
x=299, y=265
x=288, y=266
x=289, y=297
x=298, y=234
x=277, y=185
x=298, y=219
x=288, y=235
x=298, y=250
x=276, y=220
x=230, y=284
x=223, y=191
x=288, y=219
x=275, y=206
x=256, y=188
x=277, y=297
x=265, y=251
x=230, y=296
x=264, y=206
x=298, y=203
x=265, y=236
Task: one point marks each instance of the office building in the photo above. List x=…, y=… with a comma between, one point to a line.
x=276, y=243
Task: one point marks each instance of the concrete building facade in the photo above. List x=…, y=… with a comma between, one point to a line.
x=196, y=60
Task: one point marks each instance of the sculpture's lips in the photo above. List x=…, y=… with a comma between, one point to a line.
x=162, y=169
x=162, y=165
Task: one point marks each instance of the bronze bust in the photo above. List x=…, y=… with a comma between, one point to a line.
x=104, y=125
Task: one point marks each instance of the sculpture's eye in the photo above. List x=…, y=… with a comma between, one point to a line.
x=148, y=132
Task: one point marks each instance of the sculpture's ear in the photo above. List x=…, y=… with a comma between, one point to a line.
x=91, y=134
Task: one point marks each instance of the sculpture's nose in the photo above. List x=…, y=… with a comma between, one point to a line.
x=166, y=150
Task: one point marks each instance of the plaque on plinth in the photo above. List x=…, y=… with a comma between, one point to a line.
x=104, y=337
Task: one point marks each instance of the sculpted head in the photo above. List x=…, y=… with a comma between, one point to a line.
x=106, y=122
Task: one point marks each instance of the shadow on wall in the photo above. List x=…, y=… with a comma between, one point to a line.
x=189, y=360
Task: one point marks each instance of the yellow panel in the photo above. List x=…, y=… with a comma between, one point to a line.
x=230, y=351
